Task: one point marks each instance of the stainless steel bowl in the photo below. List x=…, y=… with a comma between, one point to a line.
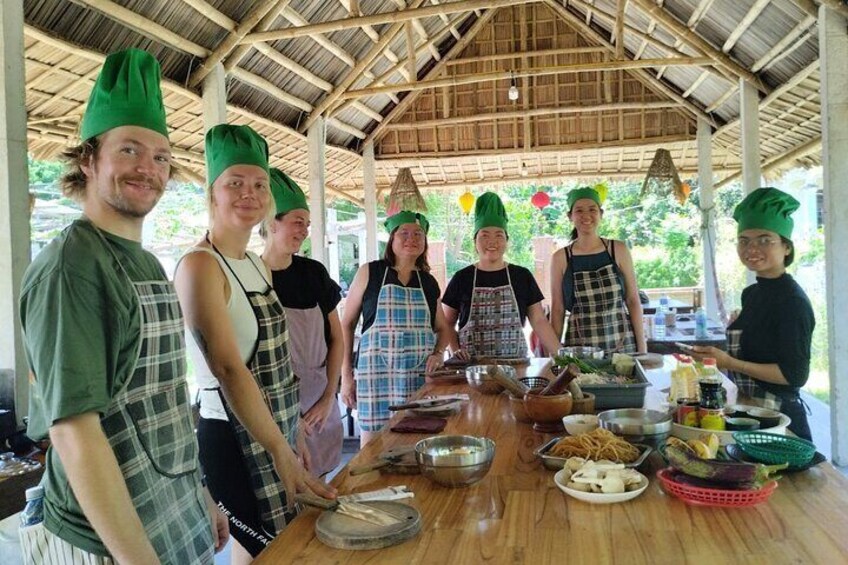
x=581, y=352
x=455, y=461
x=637, y=425
x=479, y=377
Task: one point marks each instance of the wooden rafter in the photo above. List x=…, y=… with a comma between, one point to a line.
x=269, y=87
x=535, y=53
x=385, y=18
x=540, y=71
x=237, y=54
x=209, y=12
x=743, y=26
x=782, y=45
x=231, y=41
x=300, y=22
x=697, y=42
x=779, y=161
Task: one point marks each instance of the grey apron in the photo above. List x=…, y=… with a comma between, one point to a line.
x=308, y=349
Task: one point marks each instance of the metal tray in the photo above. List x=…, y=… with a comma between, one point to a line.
x=556, y=463
x=629, y=395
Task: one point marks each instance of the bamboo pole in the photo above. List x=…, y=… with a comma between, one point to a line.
x=696, y=41
x=778, y=161
x=541, y=71
x=619, y=29
x=235, y=57
x=211, y=13
x=784, y=42
x=145, y=27
x=384, y=18
x=743, y=26
x=269, y=87
x=231, y=41
x=293, y=66
x=537, y=53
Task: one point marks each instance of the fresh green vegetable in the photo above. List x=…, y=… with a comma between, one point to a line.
x=566, y=360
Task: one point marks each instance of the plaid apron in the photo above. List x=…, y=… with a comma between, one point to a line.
x=308, y=348
x=150, y=428
x=270, y=366
x=599, y=317
x=494, y=326
x=392, y=352
x=747, y=386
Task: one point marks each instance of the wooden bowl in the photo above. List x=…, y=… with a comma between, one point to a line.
x=516, y=404
x=585, y=405
x=547, y=411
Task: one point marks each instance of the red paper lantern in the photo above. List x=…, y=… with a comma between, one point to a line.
x=540, y=200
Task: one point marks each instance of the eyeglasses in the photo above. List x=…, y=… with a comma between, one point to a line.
x=404, y=235
x=760, y=242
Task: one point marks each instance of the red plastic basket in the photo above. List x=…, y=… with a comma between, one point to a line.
x=713, y=496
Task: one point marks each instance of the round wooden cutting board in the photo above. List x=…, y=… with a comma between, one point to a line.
x=343, y=532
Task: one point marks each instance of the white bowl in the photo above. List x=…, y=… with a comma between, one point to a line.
x=576, y=424
x=724, y=437
x=599, y=497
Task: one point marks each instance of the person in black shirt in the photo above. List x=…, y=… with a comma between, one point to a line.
x=309, y=297
x=769, y=342
x=492, y=299
x=404, y=332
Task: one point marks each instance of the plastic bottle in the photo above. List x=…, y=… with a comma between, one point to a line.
x=701, y=324
x=664, y=302
x=34, y=510
x=659, y=324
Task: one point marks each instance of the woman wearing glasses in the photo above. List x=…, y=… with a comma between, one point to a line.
x=404, y=332
x=593, y=278
x=769, y=342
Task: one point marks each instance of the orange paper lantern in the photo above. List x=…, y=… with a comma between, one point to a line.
x=466, y=201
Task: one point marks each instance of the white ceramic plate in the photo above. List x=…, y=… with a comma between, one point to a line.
x=599, y=497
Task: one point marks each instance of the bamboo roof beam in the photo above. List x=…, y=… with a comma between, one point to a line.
x=698, y=14
x=784, y=42
x=347, y=128
x=780, y=160
x=385, y=18
x=354, y=74
x=293, y=66
x=419, y=28
x=729, y=93
x=367, y=111
x=644, y=77
x=265, y=23
x=457, y=48
x=300, y=22
x=211, y=13
x=696, y=41
x=537, y=53
x=494, y=116
x=145, y=27
x=694, y=86
x=743, y=25
x=447, y=22
x=352, y=7
x=90, y=76
x=269, y=87
x=619, y=29
x=798, y=43
x=230, y=42
x=540, y=71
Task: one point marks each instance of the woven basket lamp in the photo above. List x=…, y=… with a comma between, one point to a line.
x=405, y=194
x=662, y=175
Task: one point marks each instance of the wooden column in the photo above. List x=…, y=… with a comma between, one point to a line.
x=750, y=126
x=369, y=180
x=708, y=232
x=214, y=98
x=14, y=208
x=833, y=52
x=317, y=139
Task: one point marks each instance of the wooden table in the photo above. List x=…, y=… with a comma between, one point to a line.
x=516, y=514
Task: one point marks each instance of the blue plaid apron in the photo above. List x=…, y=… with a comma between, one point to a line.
x=494, y=326
x=748, y=387
x=599, y=317
x=393, y=352
x=270, y=366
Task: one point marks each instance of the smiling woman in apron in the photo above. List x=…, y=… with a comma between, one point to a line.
x=769, y=342
x=491, y=299
x=593, y=279
x=309, y=297
x=249, y=403
x=404, y=332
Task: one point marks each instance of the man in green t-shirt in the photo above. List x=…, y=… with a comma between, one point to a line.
x=104, y=339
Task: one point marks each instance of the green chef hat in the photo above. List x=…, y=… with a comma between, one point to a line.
x=126, y=93
x=583, y=192
x=766, y=209
x=287, y=194
x=228, y=145
x=407, y=217
x=489, y=212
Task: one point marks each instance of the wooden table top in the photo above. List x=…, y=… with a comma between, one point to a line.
x=516, y=514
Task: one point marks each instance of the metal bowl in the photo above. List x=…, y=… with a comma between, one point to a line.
x=581, y=352
x=455, y=461
x=479, y=377
x=637, y=425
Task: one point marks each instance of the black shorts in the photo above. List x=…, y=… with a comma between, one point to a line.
x=228, y=480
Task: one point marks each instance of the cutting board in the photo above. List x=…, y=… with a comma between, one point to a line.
x=343, y=532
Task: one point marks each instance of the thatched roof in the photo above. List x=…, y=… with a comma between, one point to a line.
x=602, y=83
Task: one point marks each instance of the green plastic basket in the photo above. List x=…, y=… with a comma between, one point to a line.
x=775, y=449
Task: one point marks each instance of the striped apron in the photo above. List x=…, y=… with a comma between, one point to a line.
x=599, y=317
x=494, y=326
x=150, y=428
x=393, y=352
x=271, y=368
x=748, y=387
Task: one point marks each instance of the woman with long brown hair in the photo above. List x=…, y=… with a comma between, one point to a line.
x=404, y=332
